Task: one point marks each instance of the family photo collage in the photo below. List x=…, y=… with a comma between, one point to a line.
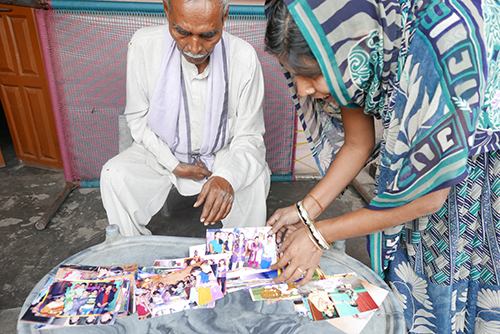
x=230, y=260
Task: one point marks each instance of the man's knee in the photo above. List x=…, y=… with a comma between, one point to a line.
x=111, y=170
x=123, y=164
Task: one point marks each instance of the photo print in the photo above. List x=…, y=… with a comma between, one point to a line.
x=72, y=272
x=336, y=296
x=76, y=299
x=250, y=249
x=194, y=285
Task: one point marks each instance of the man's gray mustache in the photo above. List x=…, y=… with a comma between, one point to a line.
x=192, y=55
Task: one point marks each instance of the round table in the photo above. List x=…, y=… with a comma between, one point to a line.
x=235, y=313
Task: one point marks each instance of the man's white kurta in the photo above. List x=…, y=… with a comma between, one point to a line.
x=135, y=183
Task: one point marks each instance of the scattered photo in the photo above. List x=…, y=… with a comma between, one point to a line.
x=126, y=273
x=75, y=272
x=249, y=280
x=335, y=297
x=272, y=293
x=75, y=299
x=107, y=318
x=190, y=287
x=250, y=248
x=275, y=292
x=33, y=314
x=145, y=272
x=197, y=250
x=354, y=324
x=218, y=262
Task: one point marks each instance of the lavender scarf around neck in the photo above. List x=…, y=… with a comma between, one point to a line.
x=168, y=114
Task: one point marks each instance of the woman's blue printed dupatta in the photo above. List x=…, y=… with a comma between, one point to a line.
x=430, y=70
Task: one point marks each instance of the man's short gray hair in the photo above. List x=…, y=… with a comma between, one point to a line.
x=224, y=4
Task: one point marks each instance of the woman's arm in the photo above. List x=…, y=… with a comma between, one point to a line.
x=366, y=221
x=300, y=252
x=359, y=141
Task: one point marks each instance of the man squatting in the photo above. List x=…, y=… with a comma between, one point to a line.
x=195, y=110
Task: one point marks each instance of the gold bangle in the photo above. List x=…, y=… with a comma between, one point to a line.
x=322, y=240
x=314, y=241
x=300, y=215
x=317, y=202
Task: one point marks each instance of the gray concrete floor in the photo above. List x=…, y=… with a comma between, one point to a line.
x=27, y=254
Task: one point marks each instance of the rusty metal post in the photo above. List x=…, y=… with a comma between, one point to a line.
x=47, y=216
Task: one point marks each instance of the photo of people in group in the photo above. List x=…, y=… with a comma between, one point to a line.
x=194, y=285
x=68, y=303
x=336, y=297
x=83, y=272
x=249, y=248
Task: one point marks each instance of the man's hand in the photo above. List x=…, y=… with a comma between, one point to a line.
x=218, y=195
x=195, y=172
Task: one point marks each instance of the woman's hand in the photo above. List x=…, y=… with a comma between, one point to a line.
x=282, y=220
x=300, y=256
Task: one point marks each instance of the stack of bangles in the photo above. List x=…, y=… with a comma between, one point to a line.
x=314, y=234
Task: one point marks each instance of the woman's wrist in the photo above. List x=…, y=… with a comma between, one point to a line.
x=312, y=207
x=314, y=234
x=306, y=228
x=323, y=227
x=316, y=201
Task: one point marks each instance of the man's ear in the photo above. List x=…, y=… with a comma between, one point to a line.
x=165, y=7
x=225, y=16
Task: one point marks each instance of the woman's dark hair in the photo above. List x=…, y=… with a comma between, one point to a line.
x=284, y=40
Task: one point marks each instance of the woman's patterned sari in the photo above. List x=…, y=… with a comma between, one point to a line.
x=430, y=70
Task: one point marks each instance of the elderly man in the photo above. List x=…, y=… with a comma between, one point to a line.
x=194, y=107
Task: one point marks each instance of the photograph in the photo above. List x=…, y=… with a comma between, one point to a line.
x=336, y=296
x=32, y=313
x=191, y=286
x=218, y=262
x=250, y=248
x=250, y=279
x=75, y=299
x=74, y=272
x=197, y=250
x=81, y=298
x=165, y=264
x=148, y=271
x=107, y=318
x=275, y=292
x=122, y=272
